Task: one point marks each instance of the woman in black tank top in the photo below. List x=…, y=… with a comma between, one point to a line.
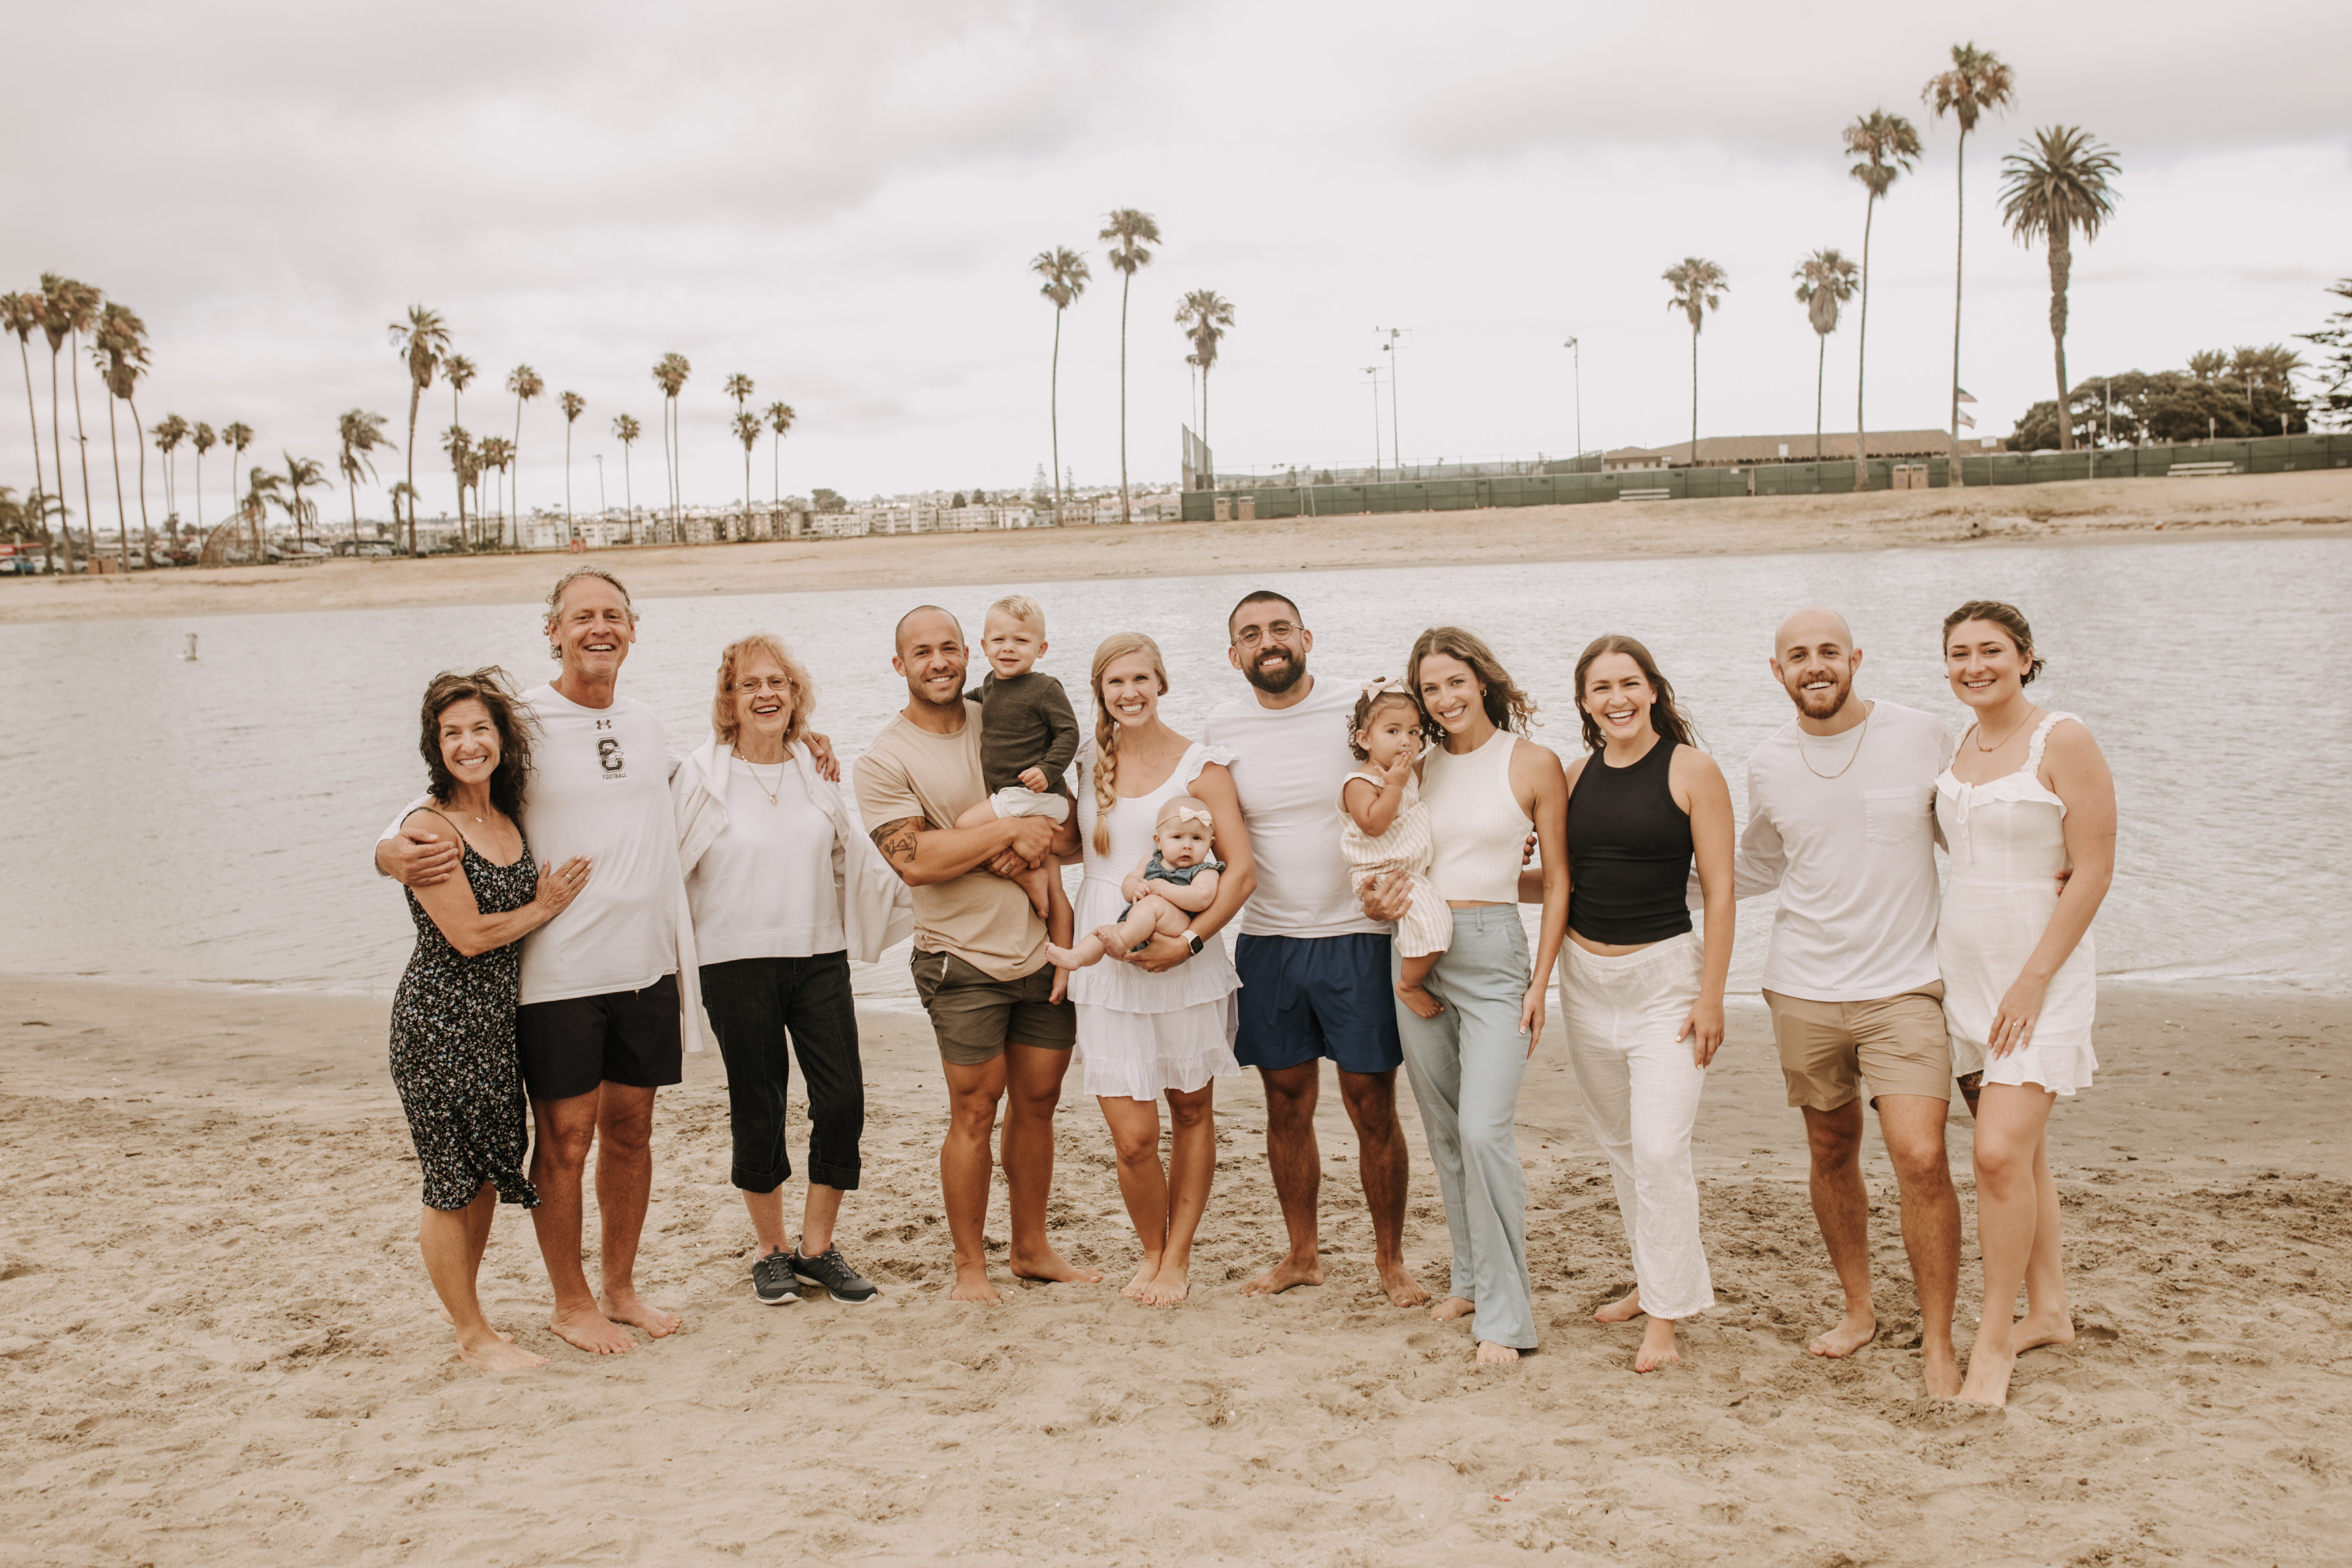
x=1643, y=1000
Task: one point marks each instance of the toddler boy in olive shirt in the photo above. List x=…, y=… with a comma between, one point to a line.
x=1028, y=737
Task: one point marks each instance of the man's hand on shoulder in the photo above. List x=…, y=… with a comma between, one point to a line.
x=417, y=856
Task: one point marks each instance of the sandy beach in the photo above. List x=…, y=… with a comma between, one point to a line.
x=220, y=1346
x=2289, y=505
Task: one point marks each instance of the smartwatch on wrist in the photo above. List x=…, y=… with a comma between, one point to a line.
x=1193, y=939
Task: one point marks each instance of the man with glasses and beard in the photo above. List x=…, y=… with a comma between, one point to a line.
x=1840, y=821
x=1314, y=963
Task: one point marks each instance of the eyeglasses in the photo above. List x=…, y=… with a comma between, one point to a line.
x=1281, y=631
x=780, y=685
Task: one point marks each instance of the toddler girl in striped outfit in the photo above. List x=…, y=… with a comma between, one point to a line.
x=1387, y=830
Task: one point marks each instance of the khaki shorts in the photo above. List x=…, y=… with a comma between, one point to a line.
x=974, y=1016
x=1898, y=1045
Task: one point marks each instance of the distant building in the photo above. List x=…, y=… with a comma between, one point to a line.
x=1629, y=459
x=1747, y=451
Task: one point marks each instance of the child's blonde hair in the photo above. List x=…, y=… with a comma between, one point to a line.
x=1022, y=608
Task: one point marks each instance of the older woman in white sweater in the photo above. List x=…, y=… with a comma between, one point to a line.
x=785, y=888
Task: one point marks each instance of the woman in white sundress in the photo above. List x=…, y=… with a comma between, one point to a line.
x=1151, y=1026
x=2028, y=811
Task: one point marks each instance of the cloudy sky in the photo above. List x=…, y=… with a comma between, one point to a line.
x=841, y=200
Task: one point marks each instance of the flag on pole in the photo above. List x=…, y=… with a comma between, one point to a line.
x=1967, y=421
x=1965, y=396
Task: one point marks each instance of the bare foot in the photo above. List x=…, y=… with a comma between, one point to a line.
x=1403, y=1289
x=972, y=1285
x=1283, y=1276
x=1450, y=1308
x=625, y=1306
x=1853, y=1330
x=1134, y=1288
x=499, y=1355
x=589, y=1329
x=1492, y=1354
x=2039, y=1328
x=1424, y=1004
x=1170, y=1286
x=1988, y=1379
x=1049, y=1266
x=1624, y=1309
x=1657, y=1346
x=1943, y=1370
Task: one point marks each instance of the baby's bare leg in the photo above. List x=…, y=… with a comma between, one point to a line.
x=1413, y=985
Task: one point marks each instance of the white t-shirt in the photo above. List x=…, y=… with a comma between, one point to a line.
x=1288, y=766
x=764, y=888
x=599, y=787
x=1853, y=856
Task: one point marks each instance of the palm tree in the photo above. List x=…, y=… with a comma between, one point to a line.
x=497, y=455
x=2058, y=184
x=2205, y=365
x=68, y=309
x=169, y=432
x=421, y=340
x=1065, y=276
x=669, y=373
x=1206, y=316
x=402, y=494
x=1824, y=281
x=460, y=373
x=526, y=385
x=362, y=434
x=573, y=406
x=203, y=440
x=262, y=492
x=626, y=430
x=464, y=464
x=1699, y=286
x=1133, y=230
x=780, y=420
x=119, y=349
x=300, y=473
x=1978, y=82
x=21, y=314
x=747, y=430
x=1887, y=145
x=237, y=437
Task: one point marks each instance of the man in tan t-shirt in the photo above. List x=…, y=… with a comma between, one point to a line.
x=979, y=957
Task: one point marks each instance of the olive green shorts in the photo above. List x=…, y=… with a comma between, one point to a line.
x=975, y=1016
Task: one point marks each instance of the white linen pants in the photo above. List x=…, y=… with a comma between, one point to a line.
x=1641, y=1092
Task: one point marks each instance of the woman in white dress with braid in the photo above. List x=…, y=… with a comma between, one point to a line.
x=1149, y=1027
x=2027, y=800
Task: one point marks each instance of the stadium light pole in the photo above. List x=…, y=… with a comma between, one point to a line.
x=1372, y=377
x=1396, y=442
x=1577, y=359
x=600, y=485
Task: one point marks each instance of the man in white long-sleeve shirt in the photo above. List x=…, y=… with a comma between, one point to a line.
x=1839, y=820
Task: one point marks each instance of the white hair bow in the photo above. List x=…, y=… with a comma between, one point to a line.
x=1384, y=685
x=1190, y=814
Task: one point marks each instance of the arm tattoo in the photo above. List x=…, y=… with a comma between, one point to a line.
x=897, y=839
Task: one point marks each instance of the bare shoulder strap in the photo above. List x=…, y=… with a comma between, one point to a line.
x=463, y=843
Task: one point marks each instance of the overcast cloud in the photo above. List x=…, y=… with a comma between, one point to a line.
x=841, y=202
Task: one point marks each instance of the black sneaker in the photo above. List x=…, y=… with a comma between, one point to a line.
x=832, y=1272
x=771, y=1281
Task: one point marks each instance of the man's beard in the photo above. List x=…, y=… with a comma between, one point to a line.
x=1274, y=683
x=1817, y=706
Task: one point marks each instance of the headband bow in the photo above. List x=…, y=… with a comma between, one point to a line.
x=1385, y=685
x=1189, y=814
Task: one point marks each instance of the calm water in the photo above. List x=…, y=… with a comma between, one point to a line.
x=210, y=821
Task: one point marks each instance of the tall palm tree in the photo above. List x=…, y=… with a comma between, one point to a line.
x=2206, y=365
x=526, y=385
x=1978, y=82
x=262, y=490
x=747, y=430
x=626, y=430
x=119, y=349
x=1887, y=145
x=2060, y=182
x=422, y=339
x=1206, y=316
x=780, y=420
x=669, y=373
x=739, y=387
x=168, y=433
x=203, y=440
x=497, y=456
x=1133, y=230
x=236, y=438
x=1065, y=276
x=1824, y=282
x=1699, y=286
x=21, y=314
x=460, y=372
x=69, y=309
x=402, y=495
x=465, y=465
x=573, y=406
x=361, y=433
x=301, y=473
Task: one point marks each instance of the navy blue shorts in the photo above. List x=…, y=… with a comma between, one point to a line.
x=1304, y=997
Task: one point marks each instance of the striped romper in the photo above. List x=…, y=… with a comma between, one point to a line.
x=1428, y=925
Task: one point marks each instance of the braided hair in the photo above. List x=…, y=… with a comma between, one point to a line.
x=1116, y=647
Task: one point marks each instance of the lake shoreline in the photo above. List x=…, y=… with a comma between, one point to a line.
x=2269, y=506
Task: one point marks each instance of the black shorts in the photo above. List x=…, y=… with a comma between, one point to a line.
x=621, y=1037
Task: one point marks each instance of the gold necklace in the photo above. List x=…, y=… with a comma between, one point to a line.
x=763, y=789
x=2004, y=741
x=1860, y=737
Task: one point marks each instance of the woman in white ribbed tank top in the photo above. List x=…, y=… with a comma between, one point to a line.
x=1485, y=787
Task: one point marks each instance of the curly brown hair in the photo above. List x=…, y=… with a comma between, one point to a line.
x=1368, y=704
x=1507, y=707
x=2009, y=618
x=491, y=687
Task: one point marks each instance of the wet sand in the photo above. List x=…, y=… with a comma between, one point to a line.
x=220, y=1347
x=2275, y=505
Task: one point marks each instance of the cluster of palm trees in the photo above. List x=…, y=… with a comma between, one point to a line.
x=1203, y=315
x=2060, y=184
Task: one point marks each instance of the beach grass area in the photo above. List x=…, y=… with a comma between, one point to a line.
x=221, y=1347
x=2297, y=505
